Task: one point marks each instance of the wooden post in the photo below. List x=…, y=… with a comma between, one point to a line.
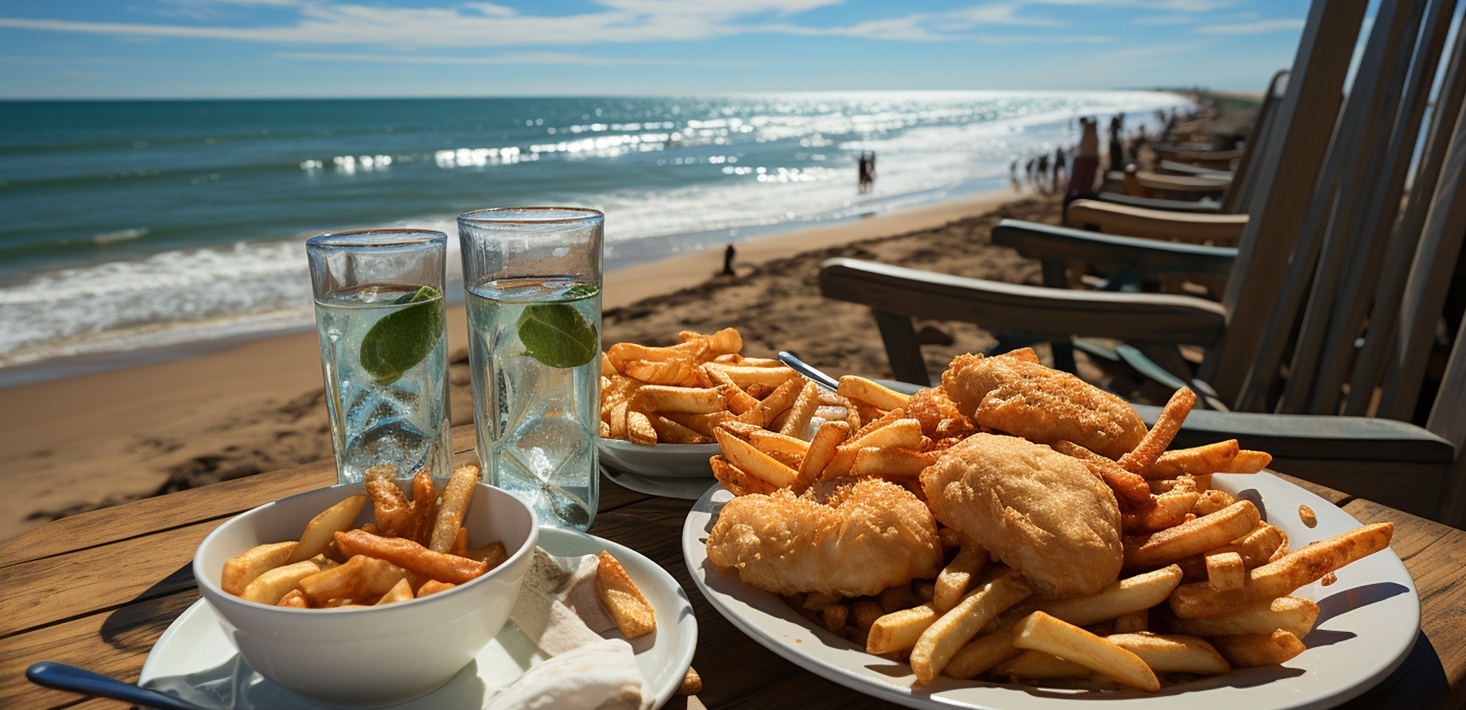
x=902, y=348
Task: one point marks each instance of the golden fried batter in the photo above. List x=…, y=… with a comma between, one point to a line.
x=1039, y=511
x=940, y=419
x=863, y=538
x=1024, y=398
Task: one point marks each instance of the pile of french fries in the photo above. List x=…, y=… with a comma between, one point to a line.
x=413, y=549
x=683, y=393
x=1207, y=584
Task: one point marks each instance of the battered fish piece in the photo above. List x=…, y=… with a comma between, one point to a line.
x=1039, y=511
x=1020, y=397
x=865, y=536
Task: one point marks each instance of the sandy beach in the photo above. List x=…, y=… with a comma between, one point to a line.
x=105, y=438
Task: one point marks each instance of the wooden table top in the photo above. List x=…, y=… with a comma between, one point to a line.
x=97, y=590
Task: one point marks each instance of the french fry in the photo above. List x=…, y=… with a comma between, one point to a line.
x=955, y=628
x=1211, y=458
x=835, y=616
x=896, y=598
x=664, y=373
x=781, y=399
x=953, y=580
x=891, y=463
x=1130, y=488
x=271, y=586
x=240, y=571
x=294, y=599
x=670, y=432
x=424, y=508
x=1041, y=632
x=433, y=586
x=492, y=554
x=878, y=422
x=639, y=428
x=1225, y=571
x=899, y=630
x=361, y=577
x=746, y=376
x=690, y=400
x=1169, y=653
x=1255, y=650
x=1275, y=579
x=1307, y=516
x=817, y=456
x=757, y=463
x=1145, y=454
x=739, y=401
x=607, y=370
x=770, y=442
x=1256, y=549
x=1212, y=501
x=1120, y=597
x=1132, y=623
x=453, y=505
x=800, y=412
x=411, y=556
x=617, y=421
x=1037, y=665
x=982, y=654
x=1170, y=510
x=1191, y=538
x=390, y=506
x=319, y=531
x=864, y=614
x=1248, y=462
x=852, y=387
x=725, y=342
x=623, y=602
x=400, y=592
x=460, y=543
x=738, y=482
x=704, y=424
x=1292, y=614
x=691, y=683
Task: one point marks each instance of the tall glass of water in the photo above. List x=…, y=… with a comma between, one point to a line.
x=380, y=318
x=533, y=276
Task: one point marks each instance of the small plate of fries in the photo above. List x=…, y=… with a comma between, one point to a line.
x=661, y=406
x=1239, y=589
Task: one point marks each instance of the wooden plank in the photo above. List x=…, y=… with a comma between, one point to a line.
x=1239, y=196
x=1219, y=229
x=113, y=644
x=48, y=590
x=1292, y=164
x=1430, y=278
x=1384, y=317
x=1413, y=488
x=150, y=515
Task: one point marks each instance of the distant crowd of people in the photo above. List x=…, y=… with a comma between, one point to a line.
x=1047, y=172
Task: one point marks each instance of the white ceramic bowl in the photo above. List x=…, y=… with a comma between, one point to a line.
x=659, y=460
x=367, y=657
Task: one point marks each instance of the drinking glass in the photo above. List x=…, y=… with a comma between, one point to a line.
x=533, y=277
x=379, y=319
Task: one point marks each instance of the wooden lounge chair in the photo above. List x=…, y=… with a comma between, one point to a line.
x=1234, y=330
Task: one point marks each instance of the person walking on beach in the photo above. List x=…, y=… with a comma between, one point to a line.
x=863, y=173
x=1013, y=173
x=1043, y=171
x=1059, y=167
x=1117, y=150
x=1028, y=172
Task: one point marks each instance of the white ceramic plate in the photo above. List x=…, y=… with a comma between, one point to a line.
x=196, y=659
x=1367, y=626
x=681, y=488
x=661, y=460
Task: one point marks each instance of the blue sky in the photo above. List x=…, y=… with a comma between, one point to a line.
x=341, y=48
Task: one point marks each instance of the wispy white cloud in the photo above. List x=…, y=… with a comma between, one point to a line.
x=482, y=24
x=514, y=58
x=1152, y=51
x=1251, y=28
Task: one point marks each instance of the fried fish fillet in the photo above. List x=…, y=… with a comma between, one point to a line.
x=1023, y=398
x=1039, y=511
x=864, y=537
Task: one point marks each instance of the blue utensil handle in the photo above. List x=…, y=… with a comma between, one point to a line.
x=808, y=370
x=63, y=677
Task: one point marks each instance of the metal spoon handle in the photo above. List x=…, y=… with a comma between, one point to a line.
x=809, y=371
x=63, y=677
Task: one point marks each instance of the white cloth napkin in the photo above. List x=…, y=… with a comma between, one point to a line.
x=558, y=611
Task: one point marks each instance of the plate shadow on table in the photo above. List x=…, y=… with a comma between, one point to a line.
x=138, y=622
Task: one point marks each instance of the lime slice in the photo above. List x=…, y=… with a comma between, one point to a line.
x=401, y=340
x=557, y=335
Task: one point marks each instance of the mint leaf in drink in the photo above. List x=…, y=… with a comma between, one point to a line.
x=401, y=340
x=557, y=335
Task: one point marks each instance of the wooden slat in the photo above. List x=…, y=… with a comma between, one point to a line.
x=113, y=644
x=1292, y=164
x=1220, y=229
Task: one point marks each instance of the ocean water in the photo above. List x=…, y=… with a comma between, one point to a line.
x=131, y=225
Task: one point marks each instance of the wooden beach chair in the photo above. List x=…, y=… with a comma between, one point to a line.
x=1237, y=330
